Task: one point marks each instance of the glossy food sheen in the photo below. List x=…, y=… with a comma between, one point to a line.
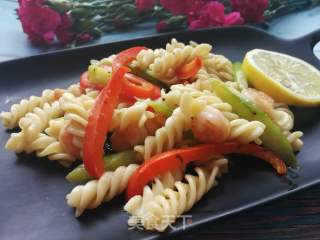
x=31, y=190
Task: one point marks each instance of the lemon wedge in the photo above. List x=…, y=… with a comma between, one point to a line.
x=285, y=78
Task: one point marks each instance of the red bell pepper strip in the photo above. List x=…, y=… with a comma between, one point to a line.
x=126, y=56
x=99, y=122
x=135, y=86
x=100, y=117
x=190, y=69
x=175, y=159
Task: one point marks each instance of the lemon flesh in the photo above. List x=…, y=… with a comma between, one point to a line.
x=285, y=78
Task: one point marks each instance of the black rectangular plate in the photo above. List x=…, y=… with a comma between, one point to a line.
x=32, y=190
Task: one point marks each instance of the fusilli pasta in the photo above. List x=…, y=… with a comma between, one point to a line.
x=294, y=139
x=33, y=124
x=94, y=192
x=159, y=212
x=220, y=66
x=245, y=131
x=18, y=110
x=165, y=137
x=10, y=119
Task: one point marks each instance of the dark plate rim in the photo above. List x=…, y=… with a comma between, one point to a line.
x=314, y=36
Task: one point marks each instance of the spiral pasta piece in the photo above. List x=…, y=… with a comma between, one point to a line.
x=164, y=67
x=55, y=126
x=294, y=139
x=50, y=147
x=19, y=110
x=146, y=57
x=44, y=145
x=191, y=106
x=220, y=66
x=95, y=192
x=165, y=137
x=244, y=131
x=174, y=44
x=136, y=205
x=77, y=110
x=283, y=117
x=136, y=114
x=190, y=92
x=157, y=212
x=33, y=124
x=202, y=80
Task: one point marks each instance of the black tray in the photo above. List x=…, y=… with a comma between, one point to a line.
x=32, y=190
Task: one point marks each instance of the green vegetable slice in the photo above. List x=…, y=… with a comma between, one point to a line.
x=111, y=163
x=148, y=77
x=272, y=137
x=239, y=75
x=161, y=107
x=98, y=75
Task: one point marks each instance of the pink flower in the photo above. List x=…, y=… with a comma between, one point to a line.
x=84, y=37
x=39, y=22
x=63, y=32
x=162, y=26
x=233, y=18
x=213, y=14
x=145, y=5
x=250, y=10
x=182, y=6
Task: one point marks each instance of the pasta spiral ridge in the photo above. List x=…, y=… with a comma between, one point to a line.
x=50, y=147
x=283, y=117
x=146, y=57
x=294, y=139
x=136, y=205
x=77, y=111
x=17, y=111
x=33, y=124
x=136, y=114
x=164, y=66
x=95, y=192
x=10, y=119
x=173, y=97
x=162, y=210
x=174, y=44
x=220, y=66
x=165, y=137
x=245, y=131
x=192, y=106
x=202, y=80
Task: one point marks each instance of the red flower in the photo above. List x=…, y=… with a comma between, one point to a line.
x=63, y=32
x=250, y=10
x=213, y=14
x=84, y=37
x=162, y=26
x=233, y=18
x=145, y=5
x=39, y=22
x=182, y=6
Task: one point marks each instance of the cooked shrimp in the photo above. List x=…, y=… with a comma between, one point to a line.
x=128, y=137
x=134, y=135
x=262, y=100
x=66, y=141
x=210, y=126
